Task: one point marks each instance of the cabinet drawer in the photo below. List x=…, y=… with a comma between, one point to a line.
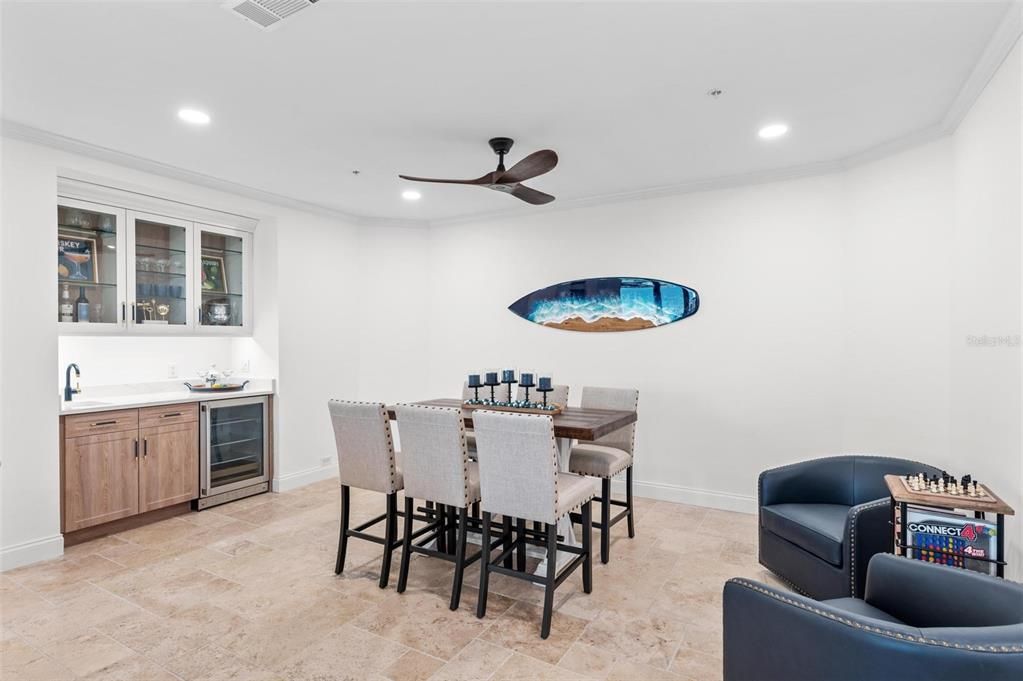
x=169, y=414
x=101, y=422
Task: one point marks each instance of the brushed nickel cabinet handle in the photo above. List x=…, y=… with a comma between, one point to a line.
x=135, y=443
x=145, y=447
x=167, y=416
x=103, y=423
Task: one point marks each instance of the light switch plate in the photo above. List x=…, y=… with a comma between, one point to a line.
x=172, y=370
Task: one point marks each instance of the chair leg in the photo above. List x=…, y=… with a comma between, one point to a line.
x=605, y=520
x=628, y=501
x=406, y=545
x=552, y=573
x=507, y=534
x=587, y=547
x=342, y=540
x=442, y=534
x=456, y=587
x=391, y=524
x=452, y=529
x=520, y=551
x=481, y=599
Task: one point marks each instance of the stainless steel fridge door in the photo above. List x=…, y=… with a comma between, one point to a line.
x=217, y=446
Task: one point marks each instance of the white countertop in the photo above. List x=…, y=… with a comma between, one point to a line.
x=129, y=396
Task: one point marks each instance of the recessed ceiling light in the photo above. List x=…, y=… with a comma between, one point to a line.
x=411, y=195
x=194, y=116
x=773, y=131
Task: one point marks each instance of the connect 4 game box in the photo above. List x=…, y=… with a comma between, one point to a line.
x=951, y=539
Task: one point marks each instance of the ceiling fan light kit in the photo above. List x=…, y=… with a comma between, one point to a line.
x=509, y=181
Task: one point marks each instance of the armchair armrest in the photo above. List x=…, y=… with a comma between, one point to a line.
x=868, y=533
x=772, y=635
x=818, y=481
x=930, y=595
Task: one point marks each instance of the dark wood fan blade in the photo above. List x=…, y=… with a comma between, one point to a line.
x=537, y=163
x=486, y=179
x=529, y=195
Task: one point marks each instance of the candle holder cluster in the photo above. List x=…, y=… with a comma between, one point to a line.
x=507, y=401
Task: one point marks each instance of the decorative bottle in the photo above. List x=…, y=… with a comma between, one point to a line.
x=67, y=310
x=82, y=306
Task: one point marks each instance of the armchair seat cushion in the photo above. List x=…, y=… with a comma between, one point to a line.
x=817, y=528
x=860, y=608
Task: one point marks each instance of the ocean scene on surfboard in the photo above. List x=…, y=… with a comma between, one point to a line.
x=608, y=304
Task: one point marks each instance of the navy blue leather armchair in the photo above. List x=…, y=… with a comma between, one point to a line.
x=918, y=621
x=821, y=521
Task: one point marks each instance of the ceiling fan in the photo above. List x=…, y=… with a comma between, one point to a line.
x=509, y=181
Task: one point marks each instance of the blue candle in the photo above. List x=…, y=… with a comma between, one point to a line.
x=474, y=380
x=545, y=383
x=526, y=380
x=492, y=378
x=508, y=376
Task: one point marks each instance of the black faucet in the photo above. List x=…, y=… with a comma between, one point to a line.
x=68, y=390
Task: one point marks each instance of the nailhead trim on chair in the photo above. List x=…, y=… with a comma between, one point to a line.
x=632, y=446
x=852, y=540
x=876, y=630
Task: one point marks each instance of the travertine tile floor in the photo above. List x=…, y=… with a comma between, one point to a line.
x=247, y=591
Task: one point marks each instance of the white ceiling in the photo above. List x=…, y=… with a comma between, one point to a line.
x=616, y=88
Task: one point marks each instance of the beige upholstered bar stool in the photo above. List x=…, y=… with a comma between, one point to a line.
x=608, y=456
x=436, y=467
x=519, y=478
x=366, y=460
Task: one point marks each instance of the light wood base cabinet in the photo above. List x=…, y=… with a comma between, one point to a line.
x=118, y=464
x=169, y=473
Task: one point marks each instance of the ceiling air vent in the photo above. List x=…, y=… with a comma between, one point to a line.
x=267, y=14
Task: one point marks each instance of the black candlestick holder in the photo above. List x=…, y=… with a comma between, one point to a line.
x=492, y=385
x=510, y=384
x=527, y=386
x=545, y=391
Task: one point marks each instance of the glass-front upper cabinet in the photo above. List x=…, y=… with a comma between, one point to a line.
x=90, y=271
x=160, y=280
x=222, y=278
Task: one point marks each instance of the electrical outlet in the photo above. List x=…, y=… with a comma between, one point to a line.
x=246, y=367
x=172, y=370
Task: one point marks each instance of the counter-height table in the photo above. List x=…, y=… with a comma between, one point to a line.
x=573, y=423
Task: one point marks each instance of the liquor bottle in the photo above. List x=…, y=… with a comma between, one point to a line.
x=82, y=306
x=67, y=310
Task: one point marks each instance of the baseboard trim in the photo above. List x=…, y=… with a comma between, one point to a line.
x=290, y=481
x=724, y=501
x=31, y=552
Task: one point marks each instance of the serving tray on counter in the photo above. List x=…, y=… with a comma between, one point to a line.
x=219, y=388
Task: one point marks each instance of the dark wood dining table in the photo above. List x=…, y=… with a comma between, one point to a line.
x=573, y=423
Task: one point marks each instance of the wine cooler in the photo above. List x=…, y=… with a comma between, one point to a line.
x=234, y=452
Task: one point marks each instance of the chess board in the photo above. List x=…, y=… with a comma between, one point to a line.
x=984, y=496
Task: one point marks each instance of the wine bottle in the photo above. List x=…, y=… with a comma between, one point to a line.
x=67, y=310
x=82, y=306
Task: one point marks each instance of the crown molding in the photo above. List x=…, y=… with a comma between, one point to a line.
x=1001, y=44
x=26, y=133
x=998, y=49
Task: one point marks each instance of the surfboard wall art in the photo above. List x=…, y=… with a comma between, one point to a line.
x=608, y=304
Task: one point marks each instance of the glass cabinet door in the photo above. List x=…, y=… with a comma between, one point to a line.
x=221, y=276
x=236, y=444
x=89, y=274
x=159, y=270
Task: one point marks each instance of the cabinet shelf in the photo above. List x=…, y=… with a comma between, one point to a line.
x=165, y=249
x=86, y=284
x=91, y=230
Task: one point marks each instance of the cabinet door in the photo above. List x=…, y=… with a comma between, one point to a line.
x=101, y=479
x=159, y=272
x=169, y=471
x=222, y=278
x=90, y=271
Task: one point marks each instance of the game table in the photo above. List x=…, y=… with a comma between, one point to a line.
x=902, y=497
